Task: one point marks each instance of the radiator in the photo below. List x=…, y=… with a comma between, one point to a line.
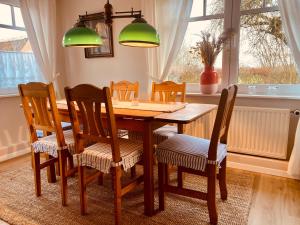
x=253, y=131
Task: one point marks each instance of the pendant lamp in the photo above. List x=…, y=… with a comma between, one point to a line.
x=137, y=34
x=81, y=36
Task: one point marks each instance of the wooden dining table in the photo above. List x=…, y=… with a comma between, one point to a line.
x=146, y=121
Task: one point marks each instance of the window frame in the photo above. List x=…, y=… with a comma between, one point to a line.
x=230, y=56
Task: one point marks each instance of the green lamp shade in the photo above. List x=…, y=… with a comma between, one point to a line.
x=139, y=34
x=80, y=36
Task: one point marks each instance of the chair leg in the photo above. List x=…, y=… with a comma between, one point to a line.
x=57, y=168
x=100, y=179
x=63, y=176
x=161, y=179
x=167, y=174
x=70, y=161
x=117, y=173
x=51, y=170
x=222, y=180
x=133, y=172
x=179, y=177
x=82, y=186
x=211, y=194
x=37, y=173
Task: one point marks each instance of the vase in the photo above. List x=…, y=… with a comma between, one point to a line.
x=209, y=81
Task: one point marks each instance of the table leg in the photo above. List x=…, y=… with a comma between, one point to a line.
x=148, y=169
x=180, y=128
x=180, y=175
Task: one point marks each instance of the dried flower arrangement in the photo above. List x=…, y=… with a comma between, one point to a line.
x=210, y=47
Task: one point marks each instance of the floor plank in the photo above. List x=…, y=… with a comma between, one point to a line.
x=276, y=200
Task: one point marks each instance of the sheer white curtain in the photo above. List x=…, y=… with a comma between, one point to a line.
x=40, y=22
x=289, y=11
x=170, y=18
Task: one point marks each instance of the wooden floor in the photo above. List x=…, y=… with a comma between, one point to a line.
x=275, y=201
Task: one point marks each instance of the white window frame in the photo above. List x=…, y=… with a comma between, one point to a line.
x=230, y=57
x=12, y=4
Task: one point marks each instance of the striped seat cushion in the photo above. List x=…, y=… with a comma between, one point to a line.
x=187, y=151
x=48, y=144
x=122, y=133
x=163, y=133
x=159, y=135
x=99, y=155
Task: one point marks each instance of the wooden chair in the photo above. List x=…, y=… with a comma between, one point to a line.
x=168, y=91
x=199, y=156
x=125, y=90
x=37, y=99
x=164, y=92
x=109, y=153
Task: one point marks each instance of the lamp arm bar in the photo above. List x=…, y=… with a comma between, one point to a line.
x=132, y=11
x=128, y=16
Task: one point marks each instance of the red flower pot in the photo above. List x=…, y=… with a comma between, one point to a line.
x=209, y=80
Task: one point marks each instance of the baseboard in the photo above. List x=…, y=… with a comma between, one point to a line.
x=259, y=164
x=14, y=151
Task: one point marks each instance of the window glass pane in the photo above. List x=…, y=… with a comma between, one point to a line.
x=17, y=62
x=264, y=56
x=18, y=17
x=5, y=12
x=197, y=9
x=187, y=67
x=215, y=7
x=251, y=4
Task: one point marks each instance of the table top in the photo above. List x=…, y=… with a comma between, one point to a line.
x=189, y=113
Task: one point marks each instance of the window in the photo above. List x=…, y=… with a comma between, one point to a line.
x=204, y=18
x=257, y=58
x=17, y=62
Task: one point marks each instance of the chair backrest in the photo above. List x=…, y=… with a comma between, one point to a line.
x=125, y=90
x=84, y=102
x=222, y=121
x=39, y=104
x=168, y=91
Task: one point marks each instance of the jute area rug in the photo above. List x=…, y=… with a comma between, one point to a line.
x=18, y=204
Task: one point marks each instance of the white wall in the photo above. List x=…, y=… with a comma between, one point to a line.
x=127, y=64
x=13, y=129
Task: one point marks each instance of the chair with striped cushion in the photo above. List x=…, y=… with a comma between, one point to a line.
x=109, y=153
x=199, y=156
x=37, y=99
x=164, y=92
x=124, y=91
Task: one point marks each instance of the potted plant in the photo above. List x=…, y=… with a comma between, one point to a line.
x=208, y=49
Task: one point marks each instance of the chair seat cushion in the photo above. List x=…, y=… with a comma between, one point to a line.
x=164, y=133
x=188, y=151
x=159, y=135
x=99, y=155
x=49, y=145
x=122, y=133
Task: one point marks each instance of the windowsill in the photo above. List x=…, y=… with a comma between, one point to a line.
x=249, y=96
x=9, y=95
